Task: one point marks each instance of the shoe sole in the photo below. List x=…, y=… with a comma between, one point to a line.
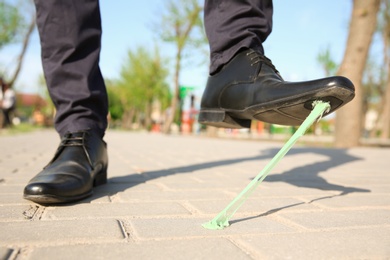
x=289, y=112
x=46, y=199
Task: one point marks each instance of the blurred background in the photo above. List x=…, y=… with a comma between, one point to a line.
x=155, y=82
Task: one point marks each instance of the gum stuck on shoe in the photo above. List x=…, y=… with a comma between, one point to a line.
x=222, y=219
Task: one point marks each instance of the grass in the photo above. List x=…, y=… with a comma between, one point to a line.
x=19, y=129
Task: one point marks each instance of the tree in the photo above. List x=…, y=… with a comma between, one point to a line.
x=142, y=81
x=11, y=22
x=26, y=41
x=114, y=101
x=372, y=84
x=384, y=113
x=324, y=58
x=362, y=27
x=179, y=26
x=13, y=28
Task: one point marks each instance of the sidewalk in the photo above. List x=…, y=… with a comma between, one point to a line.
x=319, y=203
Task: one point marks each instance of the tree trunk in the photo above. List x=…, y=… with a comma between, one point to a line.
x=385, y=115
x=148, y=115
x=362, y=27
x=127, y=119
x=176, y=93
x=26, y=41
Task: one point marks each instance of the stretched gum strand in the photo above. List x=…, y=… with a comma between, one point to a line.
x=222, y=219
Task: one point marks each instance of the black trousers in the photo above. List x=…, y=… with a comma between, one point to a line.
x=70, y=34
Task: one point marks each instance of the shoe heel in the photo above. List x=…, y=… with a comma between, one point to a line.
x=219, y=118
x=100, y=178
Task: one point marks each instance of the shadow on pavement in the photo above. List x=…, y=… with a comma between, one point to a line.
x=307, y=176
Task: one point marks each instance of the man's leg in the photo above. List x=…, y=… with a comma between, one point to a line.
x=236, y=24
x=4, y=124
x=243, y=84
x=7, y=117
x=70, y=33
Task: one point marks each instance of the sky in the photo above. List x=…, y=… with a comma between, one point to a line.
x=301, y=29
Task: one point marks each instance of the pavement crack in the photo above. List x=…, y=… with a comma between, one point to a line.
x=30, y=212
x=34, y=212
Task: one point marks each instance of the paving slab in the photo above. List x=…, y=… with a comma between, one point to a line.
x=339, y=218
x=59, y=232
x=367, y=243
x=205, y=248
x=318, y=203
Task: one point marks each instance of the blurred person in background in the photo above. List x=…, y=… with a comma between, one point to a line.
x=7, y=103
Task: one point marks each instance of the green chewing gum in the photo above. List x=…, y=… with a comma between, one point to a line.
x=222, y=219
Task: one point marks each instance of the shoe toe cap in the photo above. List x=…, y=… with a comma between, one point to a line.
x=37, y=189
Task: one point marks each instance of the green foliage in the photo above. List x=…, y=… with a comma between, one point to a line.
x=324, y=58
x=373, y=84
x=142, y=78
x=182, y=23
x=20, y=129
x=142, y=81
x=114, y=99
x=11, y=23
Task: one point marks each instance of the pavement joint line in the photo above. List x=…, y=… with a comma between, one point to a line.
x=191, y=209
x=333, y=229
x=289, y=223
x=246, y=250
x=123, y=226
x=161, y=186
x=146, y=217
x=31, y=245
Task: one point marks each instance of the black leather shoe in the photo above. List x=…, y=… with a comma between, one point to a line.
x=79, y=164
x=250, y=88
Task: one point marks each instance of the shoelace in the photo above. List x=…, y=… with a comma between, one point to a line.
x=76, y=139
x=257, y=57
x=71, y=139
